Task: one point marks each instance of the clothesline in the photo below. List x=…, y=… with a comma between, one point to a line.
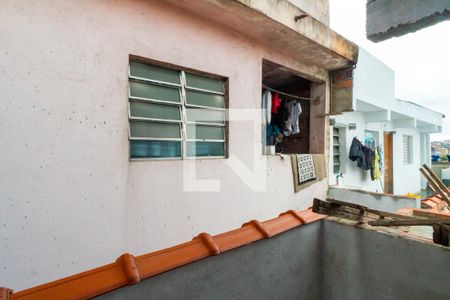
x=289, y=95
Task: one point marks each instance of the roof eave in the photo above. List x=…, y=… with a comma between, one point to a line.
x=280, y=25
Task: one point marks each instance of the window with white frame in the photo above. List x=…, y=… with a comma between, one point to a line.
x=175, y=114
x=407, y=149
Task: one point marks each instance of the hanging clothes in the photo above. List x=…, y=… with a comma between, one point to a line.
x=267, y=106
x=296, y=112
x=375, y=170
x=380, y=160
x=369, y=142
x=279, y=117
x=276, y=102
x=361, y=154
x=272, y=135
x=294, y=109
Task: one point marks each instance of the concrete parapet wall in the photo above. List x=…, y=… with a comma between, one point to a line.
x=379, y=201
x=322, y=260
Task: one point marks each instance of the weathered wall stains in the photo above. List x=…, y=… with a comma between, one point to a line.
x=319, y=9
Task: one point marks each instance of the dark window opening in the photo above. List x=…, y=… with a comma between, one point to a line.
x=292, y=88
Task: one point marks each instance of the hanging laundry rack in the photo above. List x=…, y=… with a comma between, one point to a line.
x=289, y=95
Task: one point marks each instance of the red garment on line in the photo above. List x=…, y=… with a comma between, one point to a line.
x=276, y=102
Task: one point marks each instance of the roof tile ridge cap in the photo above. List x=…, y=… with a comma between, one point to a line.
x=209, y=242
x=129, y=268
x=259, y=226
x=165, y=250
x=25, y=293
x=132, y=275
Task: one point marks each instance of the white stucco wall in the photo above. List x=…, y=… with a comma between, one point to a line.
x=71, y=198
x=354, y=177
x=373, y=81
x=374, y=84
x=407, y=178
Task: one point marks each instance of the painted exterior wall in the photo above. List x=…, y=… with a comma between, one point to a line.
x=374, y=95
x=379, y=87
x=407, y=178
x=72, y=199
x=354, y=177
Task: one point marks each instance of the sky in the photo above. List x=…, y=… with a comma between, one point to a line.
x=420, y=60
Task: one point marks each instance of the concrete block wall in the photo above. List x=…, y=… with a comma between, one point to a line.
x=378, y=201
x=322, y=260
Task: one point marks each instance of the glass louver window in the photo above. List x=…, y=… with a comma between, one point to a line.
x=175, y=114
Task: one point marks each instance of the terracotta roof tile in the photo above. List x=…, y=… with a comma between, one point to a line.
x=434, y=202
x=430, y=214
x=128, y=269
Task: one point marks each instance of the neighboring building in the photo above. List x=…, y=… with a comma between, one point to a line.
x=401, y=128
x=98, y=123
x=440, y=148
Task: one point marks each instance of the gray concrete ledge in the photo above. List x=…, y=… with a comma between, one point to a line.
x=393, y=18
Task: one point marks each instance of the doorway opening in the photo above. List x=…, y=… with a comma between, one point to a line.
x=388, y=163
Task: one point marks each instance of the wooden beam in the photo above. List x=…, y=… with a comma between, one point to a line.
x=351, y=211
x=416, y=222
x=371, y=212
x=426, y=213
x=432, y=189
x=432, y=182
x=437, y=179
x=441, y=234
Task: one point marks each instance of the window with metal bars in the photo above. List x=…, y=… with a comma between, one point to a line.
x=407, y=150
x=175, y=114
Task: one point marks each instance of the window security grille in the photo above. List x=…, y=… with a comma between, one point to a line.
x=407, y=150
x=336, y=151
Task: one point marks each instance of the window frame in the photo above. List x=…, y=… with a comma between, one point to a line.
x=339, y=146
x=407, y=141
x=183, y=105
